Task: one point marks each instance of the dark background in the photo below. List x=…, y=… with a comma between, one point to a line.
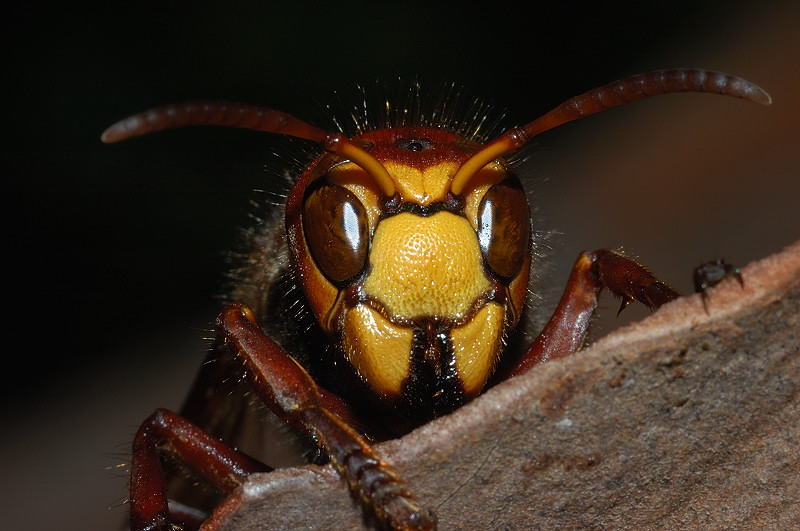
x=114, y=253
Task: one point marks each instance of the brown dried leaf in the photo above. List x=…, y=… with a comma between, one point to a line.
x=690, y=418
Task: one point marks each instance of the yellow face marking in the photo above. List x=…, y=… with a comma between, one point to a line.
x=420, y=269
x=476, y=346
x=491, y=174
x=426, y=266
x=379, y=350
x=422, y=187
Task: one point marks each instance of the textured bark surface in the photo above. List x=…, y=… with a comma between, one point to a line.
x=690, y=419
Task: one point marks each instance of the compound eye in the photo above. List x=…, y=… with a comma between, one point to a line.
x=336, y=229
x=504, y=228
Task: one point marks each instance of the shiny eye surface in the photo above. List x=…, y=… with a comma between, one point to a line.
x=414, y=144
x=504, y=229
x=336, y=229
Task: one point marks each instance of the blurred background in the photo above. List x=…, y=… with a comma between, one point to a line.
x=114, y=253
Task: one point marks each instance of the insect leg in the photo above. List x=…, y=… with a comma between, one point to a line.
x=710, y=274
x=166, y=431
x=288, y=390
x=565, y=333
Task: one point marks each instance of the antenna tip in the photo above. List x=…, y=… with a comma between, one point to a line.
x=760, y=96
x=115, y=133
x=750, y=91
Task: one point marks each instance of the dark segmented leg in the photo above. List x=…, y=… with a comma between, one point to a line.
x=286, y=388
x=710, y=274
x=565, y=333
x=165, y=431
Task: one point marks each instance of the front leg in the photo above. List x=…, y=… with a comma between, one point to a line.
x=165, y=431
x=288, y=390
x=566, y=331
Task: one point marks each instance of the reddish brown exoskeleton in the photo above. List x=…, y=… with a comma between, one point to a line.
x=410, y=250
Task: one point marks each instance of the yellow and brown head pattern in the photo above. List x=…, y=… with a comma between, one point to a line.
x=419, y=287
